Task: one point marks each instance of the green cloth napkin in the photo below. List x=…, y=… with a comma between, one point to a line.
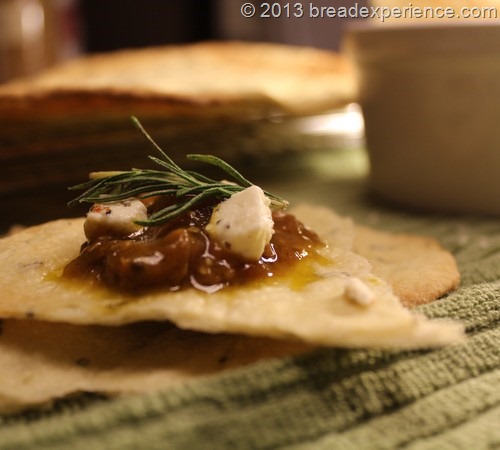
x=332, y=398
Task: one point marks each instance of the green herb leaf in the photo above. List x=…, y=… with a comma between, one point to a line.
x=188, y=187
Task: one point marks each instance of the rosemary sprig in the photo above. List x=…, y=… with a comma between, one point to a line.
x=188, y=187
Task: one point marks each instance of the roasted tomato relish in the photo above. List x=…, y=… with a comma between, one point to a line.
x=180, y=254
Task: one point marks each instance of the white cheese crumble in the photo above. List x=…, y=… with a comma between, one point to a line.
x=243, y=223
x=357, y=291
x=115, y=218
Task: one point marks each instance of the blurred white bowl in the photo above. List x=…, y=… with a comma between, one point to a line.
x=430, y=96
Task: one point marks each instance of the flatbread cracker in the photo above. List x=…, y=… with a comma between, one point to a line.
x=207, y=98
x=313, y=306
x=206, y=79
x=41, y=362
x=418, y=268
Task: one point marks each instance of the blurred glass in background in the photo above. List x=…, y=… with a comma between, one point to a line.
x=35, y=34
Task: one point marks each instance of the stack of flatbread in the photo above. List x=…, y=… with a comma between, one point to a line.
x=60, y=338
x=209, y=97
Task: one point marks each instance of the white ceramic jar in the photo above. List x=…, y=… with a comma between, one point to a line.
x=430, y=95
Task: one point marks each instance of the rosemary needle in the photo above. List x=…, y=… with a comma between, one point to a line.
x=187, y=186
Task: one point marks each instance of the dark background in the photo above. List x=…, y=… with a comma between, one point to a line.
x=113, y=24
x=110, y=25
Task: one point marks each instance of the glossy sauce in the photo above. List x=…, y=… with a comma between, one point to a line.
x=179, y=254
